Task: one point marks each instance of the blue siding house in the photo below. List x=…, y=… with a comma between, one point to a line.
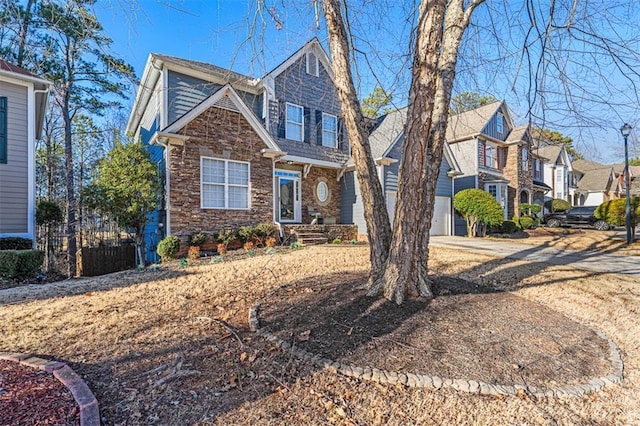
x=236, y=150
x=386, y=140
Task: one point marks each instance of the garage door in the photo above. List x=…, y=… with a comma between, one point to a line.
x=441, y=221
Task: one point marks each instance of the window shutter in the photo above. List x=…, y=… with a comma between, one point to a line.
x=482, y=153
x=3, y=129
x=502, y=155
x=282, y=119
x=318, y=127
x=342, y=145
x=306, y=124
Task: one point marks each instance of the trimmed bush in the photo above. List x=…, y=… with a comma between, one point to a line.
x=526, y=222
x=508, y=227
x=529, y=209
x=168, y=247
x=479, y=209
x=20, y=263
x=16, y=243
x=614, y=211
x=226, y=236
x=198, y=239
x=557, y=205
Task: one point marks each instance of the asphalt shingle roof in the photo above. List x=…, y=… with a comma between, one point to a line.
x=468, y=123
x=596, y=180
x=386, y=131
x=207, y=68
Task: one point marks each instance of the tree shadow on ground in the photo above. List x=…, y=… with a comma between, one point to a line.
x=78, y=286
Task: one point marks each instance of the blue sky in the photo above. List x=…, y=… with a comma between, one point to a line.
x=230, y=33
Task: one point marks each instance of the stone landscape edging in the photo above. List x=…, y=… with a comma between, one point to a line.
x=436, y=382
x=87, y=402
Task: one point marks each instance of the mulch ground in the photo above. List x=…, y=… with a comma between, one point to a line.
x=468, y=331
x=34, y=397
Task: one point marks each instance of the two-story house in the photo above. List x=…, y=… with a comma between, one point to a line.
x=557, y=171
x=493, y=155
x=23, y=100
x=237, y=150
x=385, y=139
x=596, y=183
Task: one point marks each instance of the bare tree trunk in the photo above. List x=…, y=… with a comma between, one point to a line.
x=375, y=211
x=71, y=196
x=24, y=30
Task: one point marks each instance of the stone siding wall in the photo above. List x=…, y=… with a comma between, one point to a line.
x=330, y=209
x=223, y=134
x=519, y=179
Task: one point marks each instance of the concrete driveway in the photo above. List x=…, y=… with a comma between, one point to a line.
x=589, y=260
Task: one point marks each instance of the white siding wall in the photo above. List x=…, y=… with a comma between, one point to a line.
x=14, y=179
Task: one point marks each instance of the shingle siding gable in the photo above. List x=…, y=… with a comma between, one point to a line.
x=316, y=95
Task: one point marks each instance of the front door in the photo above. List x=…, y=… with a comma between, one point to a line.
x=289, y=205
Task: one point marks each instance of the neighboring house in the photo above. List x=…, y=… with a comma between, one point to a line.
x=597, y=183
x=237, y=150
x=557, y=171
x=634, y=179
x=386, y=139
x=493, y=155
x=23, y=99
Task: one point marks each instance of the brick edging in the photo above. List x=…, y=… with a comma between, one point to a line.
x=89, y=412
x=435, y=382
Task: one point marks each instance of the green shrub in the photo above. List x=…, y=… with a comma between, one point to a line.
x=246, y=233
x=525, y=222
x=16, y=243
x=226, y=236
x=20, y=263
x=48, y=212
x=557, y=205
x=265, y=230
x=529, y=209
x=198, y=239
x=479, y=209
x=614, y=211
x=337, y=241
x=168, y=247
x=508, y=227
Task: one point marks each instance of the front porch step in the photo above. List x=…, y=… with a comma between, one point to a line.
x=310, y=238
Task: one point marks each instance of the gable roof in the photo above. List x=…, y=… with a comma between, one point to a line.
x=210, y=69
x=586, y=165
x=518, y=134
x=312, y=45
x=226, y=98
x=597, y=180
x=388, y=129
x=470, y=123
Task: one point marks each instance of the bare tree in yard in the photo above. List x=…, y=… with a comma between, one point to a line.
x=548, y=37
x=440, y=27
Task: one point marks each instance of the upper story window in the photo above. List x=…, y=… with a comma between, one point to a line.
x=559, y=175
x=537, y=169
x=525, y=159
x=329, y=130
x=3, y=130
x=224, y=184
x=491, y=156
x=312, y=64
x=500, y=123
x=295, y=122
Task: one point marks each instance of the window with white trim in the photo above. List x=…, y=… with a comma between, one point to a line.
x=224, y=184
x=329, y=130
x=312, y=64
x=493, y=190
x=500, y=123
x=491, y=156
x=525, y=159
x=295, y=122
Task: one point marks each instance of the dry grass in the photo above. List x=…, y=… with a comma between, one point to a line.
x=172, y=347
x=613, y=242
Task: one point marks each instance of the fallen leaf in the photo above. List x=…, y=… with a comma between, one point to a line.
x=88, y=294
x=350, y=331
x=304, y=336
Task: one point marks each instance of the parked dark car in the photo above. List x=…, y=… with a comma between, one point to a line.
x=576, y=217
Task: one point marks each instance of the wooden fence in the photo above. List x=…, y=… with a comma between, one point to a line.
x=93, y=261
